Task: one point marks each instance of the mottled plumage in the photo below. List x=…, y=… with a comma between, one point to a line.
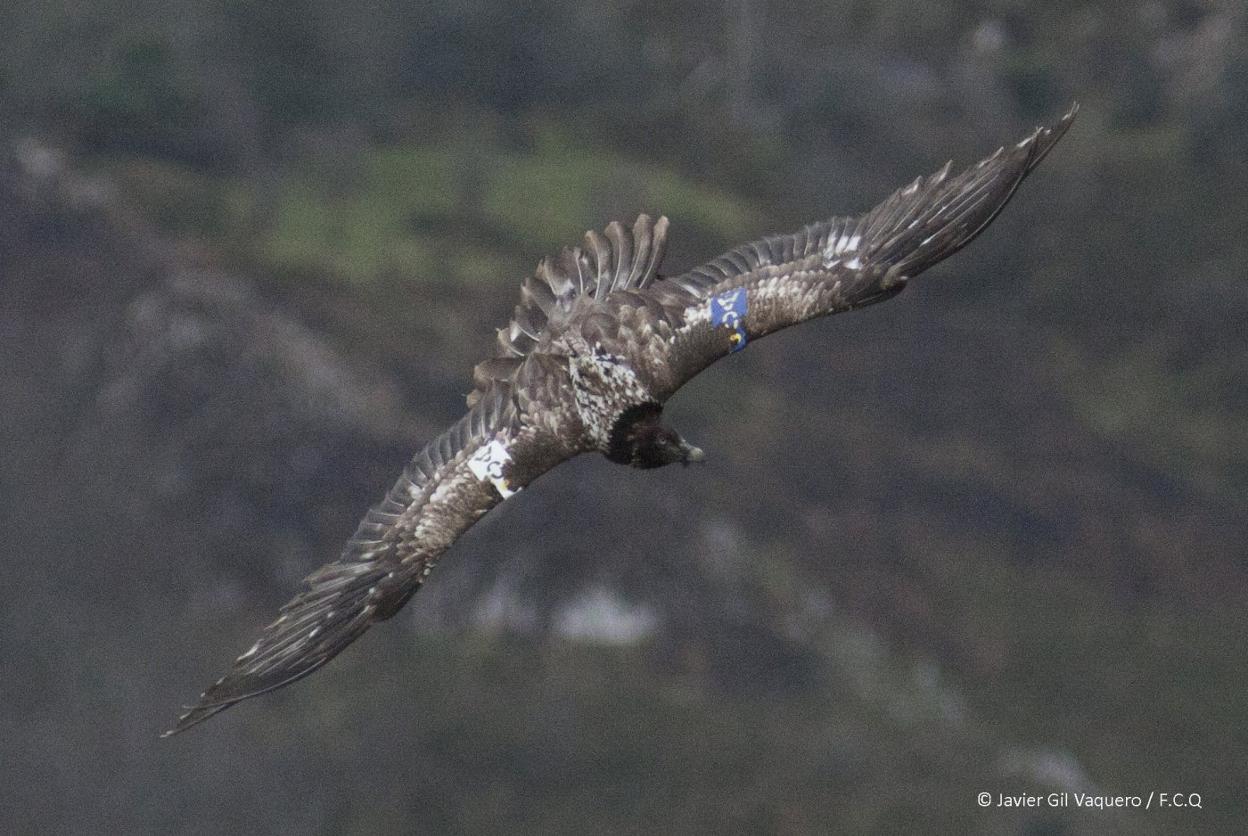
x=597, y=344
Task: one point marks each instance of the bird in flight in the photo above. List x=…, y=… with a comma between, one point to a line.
x=599, y=341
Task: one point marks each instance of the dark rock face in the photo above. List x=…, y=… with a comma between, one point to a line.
x=150, y=396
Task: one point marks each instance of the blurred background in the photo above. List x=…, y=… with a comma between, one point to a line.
x=986, y=537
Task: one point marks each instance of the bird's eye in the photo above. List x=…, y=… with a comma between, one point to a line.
x=735, y=338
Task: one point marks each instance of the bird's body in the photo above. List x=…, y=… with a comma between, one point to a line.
x=597, y=345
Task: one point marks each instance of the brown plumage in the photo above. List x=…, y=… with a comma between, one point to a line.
x=597, y=344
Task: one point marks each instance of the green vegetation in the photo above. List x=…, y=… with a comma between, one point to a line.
x=430, y=214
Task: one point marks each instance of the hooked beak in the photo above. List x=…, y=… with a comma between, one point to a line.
x=691, y=453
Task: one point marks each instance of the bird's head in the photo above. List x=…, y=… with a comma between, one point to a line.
x=639, y=439
x=655, y=445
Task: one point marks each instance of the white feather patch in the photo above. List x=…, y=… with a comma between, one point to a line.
x=487, y=465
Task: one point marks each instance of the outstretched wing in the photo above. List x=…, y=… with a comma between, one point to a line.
x=484, y=458
x=837, y=265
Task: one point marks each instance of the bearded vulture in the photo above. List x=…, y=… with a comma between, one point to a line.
x=599, y=341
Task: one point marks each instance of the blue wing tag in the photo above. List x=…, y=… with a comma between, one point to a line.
x=729, y=310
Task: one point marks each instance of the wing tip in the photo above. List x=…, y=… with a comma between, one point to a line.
x=931, y=219
x=1045, y=137
x=193, y=717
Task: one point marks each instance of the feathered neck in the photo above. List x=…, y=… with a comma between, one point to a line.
x=622, y=442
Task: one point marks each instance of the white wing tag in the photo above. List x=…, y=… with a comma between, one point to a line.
x=487, y=465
